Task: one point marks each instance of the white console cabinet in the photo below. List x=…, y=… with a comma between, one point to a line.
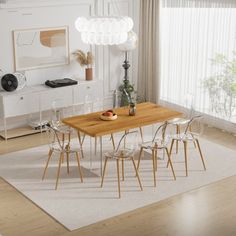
x=39, y=98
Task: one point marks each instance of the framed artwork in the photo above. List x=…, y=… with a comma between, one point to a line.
x=39, y=48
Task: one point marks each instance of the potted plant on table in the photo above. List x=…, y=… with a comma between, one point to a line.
x=127, y=93
x=85, y=59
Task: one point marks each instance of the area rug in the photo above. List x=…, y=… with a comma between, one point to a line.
x=77, y=204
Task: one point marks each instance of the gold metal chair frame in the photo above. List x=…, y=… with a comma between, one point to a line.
x=154, y=147
x=120, y=155
x=63, y=148
x=188, y=135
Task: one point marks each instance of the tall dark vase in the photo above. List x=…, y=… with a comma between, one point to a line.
x=125, y=89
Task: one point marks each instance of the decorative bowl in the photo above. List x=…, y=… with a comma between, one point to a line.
x=108, y=118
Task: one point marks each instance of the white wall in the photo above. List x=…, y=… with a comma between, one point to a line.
x=42, y=17
x=29, y=14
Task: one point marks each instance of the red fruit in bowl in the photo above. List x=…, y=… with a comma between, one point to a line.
x=108, y=113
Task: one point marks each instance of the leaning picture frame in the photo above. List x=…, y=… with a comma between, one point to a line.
x=40, y=48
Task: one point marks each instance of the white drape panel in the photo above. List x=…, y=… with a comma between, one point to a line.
x=190, y=38
x=148, y=66
x=199, y=3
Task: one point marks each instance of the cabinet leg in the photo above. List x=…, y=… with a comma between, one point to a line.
x=5, y=128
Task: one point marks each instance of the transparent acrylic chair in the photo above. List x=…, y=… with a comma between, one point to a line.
x=125, y=150
x=93, y=104
x=58, y=112
x=194, y=128
x=60, y=145
x=81, y=108
x=189, y=104
x=158, y=142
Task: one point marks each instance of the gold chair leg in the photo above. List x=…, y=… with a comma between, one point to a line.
x=123, y=170
x=153, y=165
x=67, y=162
x=104, y=169
x=59, y=168
x=171, y=147
x=113, y=141
x=177, y=142
x=136, y=172
x=155, y=156
x=118, y=175
x=63, y=143
x=139, y=158
x=200, y=151
x=82, y=141
x=68, y=153
x=185, y=156
x=171, y=166
x=81, y=144
x=141, y=133
x=79, y=167
x=49, y=158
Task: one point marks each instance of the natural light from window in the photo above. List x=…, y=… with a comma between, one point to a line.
x=198, y=58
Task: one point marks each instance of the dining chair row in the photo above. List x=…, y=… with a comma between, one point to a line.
x=127, y=147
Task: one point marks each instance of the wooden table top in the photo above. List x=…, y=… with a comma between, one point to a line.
x=146, y=114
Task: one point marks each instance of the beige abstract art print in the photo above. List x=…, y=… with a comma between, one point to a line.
x=38, y=48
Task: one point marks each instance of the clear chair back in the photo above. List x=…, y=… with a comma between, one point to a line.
x=88, y=104
x=128, y=141
x=57, y=112
x=160, y=133
x=55, y=138
x=195, y=125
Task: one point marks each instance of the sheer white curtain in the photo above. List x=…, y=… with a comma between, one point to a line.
x=148, y=63
x=198, y=56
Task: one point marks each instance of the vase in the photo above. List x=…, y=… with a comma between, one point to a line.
x=88, y=73
x=132, y=109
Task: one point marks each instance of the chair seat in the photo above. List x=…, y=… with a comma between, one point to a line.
x=179, y=121
x=159, y=143
x=64, y=129
x=120, y=154
x=189, y=136
x=56, y=148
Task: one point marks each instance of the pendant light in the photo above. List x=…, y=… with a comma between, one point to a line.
x=104, y=30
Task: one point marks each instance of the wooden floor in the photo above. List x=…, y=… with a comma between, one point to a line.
x=207, y=211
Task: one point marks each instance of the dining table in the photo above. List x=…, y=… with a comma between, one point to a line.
x=91, y=124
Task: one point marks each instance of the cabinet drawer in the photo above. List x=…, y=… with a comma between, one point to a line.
x=63, y=96
x=22, y=104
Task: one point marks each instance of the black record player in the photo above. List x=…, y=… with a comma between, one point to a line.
x=60, y=82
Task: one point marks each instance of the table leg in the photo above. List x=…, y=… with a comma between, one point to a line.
x=101, y=154
x=81, y=145
x=91, y=152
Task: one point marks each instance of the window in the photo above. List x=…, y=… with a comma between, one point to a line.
x=198, y=55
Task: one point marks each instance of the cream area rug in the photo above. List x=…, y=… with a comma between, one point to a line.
x=77, y=204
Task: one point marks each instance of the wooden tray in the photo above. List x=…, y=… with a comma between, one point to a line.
x=108, y=118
